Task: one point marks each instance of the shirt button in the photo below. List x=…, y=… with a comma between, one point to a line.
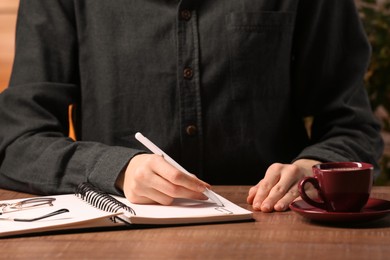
x=188, y=73
x=191, y=130
x=185, y=14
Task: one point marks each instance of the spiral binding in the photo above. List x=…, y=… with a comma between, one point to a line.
x=101, y=199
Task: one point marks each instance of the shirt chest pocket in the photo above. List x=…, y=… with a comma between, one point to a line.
x=259, y=53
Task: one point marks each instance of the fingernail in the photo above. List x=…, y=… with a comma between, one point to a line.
x=265, y=207
x=280, y=207
x=201, y=188
x=257, y=206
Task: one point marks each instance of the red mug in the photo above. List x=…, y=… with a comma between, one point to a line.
x=341, y=186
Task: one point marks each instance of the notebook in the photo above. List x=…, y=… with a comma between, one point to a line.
x=92, y=208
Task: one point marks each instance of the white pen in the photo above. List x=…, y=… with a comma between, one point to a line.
x=156, y=150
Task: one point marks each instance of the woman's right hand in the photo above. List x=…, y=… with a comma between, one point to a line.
x=149, y=178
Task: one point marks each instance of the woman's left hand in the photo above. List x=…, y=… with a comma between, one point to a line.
x=280, y=185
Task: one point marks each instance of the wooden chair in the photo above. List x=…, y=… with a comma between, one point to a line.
x=8, y=11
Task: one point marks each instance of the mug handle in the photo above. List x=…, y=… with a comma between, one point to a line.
x=305, y=197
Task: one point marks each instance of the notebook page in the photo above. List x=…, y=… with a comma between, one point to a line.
x=79, y=212
x=187, y=211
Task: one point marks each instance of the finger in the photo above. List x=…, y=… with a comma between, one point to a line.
x=175, y=176
x=252, y=194
x=285, y=191
x=175, y=191
x=149, y=185
x=285, y=201
x=271, y=178
x=138, y=189
x=294, y=195
x=151, y=178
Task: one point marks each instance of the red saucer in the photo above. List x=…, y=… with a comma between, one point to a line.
x=374, y=209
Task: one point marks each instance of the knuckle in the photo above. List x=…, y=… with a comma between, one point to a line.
x=275, y=167
x=279, y=189
x=295, y=170
x=292, y=171
x=293, y=193
x=173, y=190
x=139, y=174
x=253, y=189
x=176, y=176
x=264, y=185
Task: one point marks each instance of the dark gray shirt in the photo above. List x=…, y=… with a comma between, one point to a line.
x=220, y=85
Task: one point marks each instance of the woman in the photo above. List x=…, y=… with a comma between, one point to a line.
x=221, y=86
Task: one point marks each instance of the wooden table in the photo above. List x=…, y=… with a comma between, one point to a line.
x=283, y=235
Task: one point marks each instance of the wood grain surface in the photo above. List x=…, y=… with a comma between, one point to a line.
x=283, y=235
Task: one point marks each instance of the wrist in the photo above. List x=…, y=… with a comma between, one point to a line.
x=306, y=165
x=120, y=180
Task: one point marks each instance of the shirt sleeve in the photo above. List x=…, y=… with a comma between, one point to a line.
x=36, y=154
x=331, y=54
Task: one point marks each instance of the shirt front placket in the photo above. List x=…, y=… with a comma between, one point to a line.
x=189, y=86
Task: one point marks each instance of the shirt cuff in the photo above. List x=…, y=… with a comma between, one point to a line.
x=108, y=167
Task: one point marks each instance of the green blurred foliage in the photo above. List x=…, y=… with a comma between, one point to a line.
x=375, y=16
